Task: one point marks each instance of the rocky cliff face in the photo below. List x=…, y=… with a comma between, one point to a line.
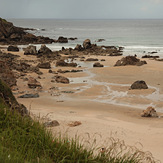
x=9, y=34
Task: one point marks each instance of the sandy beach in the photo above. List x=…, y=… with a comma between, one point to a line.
x=101, y=100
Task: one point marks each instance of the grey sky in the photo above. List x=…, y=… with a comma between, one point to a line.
x=82, y=9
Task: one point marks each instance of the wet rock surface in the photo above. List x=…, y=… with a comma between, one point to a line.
x=140, y=84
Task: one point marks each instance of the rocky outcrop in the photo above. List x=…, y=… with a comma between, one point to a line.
x=140, y=84
x=98, y=64
x=87, y=44
x=130, y=60
x=44, y=50
x=7, y=75
x=13, y=48
x=149, y=112
x=62, y=63
x=45, y=65
x=61, y=79
x=9, y=34
x=33, y=83
x=30, y=50
x=78, y=47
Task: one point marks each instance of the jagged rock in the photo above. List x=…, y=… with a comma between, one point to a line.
x=130, y=60
x=78, y=47
x=13, y=48
x=29, y=96
x=61, y=79
x=6, y=74
x=98, y=64
x=44, y=50
x=9, y=34
x=51, y=123
x=149, y=112
x=30, y=50
x=87, y=44
x=140, y=84
x=45, y=65
x=33, y=83
x=91, y=59
x=62, y=63
x=62, y=40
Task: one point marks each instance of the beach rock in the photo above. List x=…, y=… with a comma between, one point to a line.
x=13, y=48
x=140, y=84
x=30, y=50
x=62, y=40
x=74, y=124
x=100, y=40
x=33, y=83
x=44, y=50
x=29, y=96
x=78, y=47
x=102, y=60
x=61, y=79
x=149, y=56
x=62, y=63
x=7, y=75
x=130, y=60
x=53, y=123
x=149, y=112
x=98, y=64
x=45, y=65
x=91, y=59
x=87, y=44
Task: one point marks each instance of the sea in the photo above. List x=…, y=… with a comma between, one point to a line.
x=138, y=37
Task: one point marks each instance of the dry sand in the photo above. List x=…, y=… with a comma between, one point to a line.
x=103, y=103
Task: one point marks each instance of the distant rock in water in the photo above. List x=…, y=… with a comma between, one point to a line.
x=130, y=60
x=140, y=84
x=62, y=39
x=9, y=34
x=13, y=48
x=87, y=44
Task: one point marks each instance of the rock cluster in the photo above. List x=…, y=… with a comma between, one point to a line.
x=130, y=60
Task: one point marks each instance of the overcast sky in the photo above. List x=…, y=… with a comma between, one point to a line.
x=82, y=9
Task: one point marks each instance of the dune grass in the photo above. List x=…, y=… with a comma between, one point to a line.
x=25, y=140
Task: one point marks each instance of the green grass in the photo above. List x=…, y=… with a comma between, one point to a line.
x=23, y=140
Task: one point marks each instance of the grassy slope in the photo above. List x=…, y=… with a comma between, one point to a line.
x=25, y=140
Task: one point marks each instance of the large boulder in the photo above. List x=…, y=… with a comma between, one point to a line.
x=98, y=64
x=61, y=79
x=30, y=50
x=62, y=40
x=130, y=60
x=140, y=84
x=13, y=48
x=87, y=44
x=45, y=65
x=33, y=83
x=44, y=50
x=149, y=112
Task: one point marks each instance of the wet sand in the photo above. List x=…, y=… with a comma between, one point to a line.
x=102, y=102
